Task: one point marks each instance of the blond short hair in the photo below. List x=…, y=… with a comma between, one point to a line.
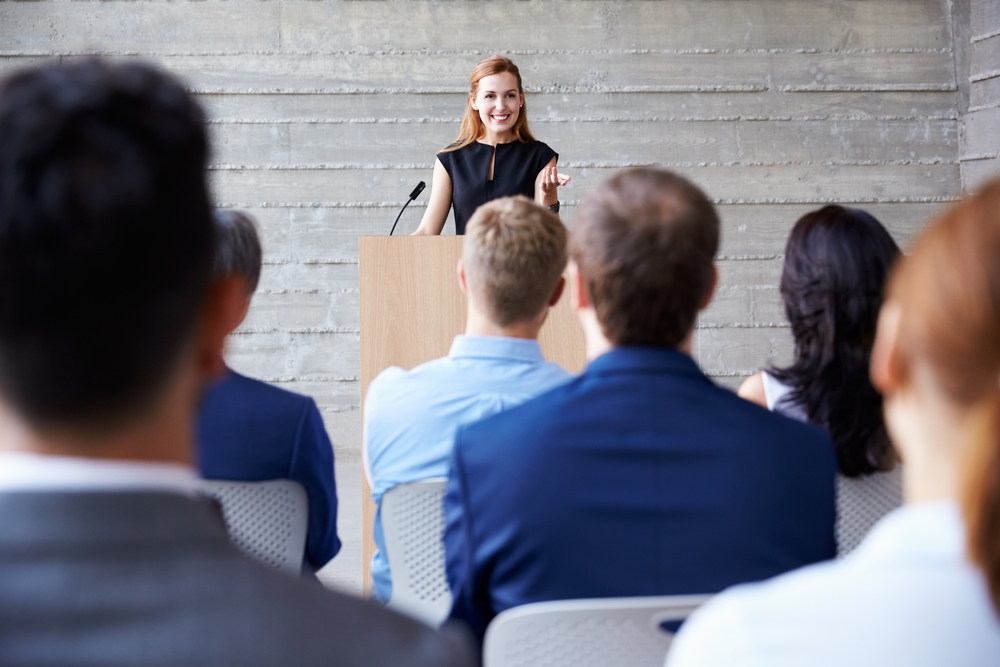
x=514, y=255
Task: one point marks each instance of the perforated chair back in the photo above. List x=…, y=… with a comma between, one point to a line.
x=266, y=520
x=861, y=502
x=413, y=528
x=604, y=632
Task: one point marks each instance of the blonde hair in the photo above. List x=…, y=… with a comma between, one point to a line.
x=514, y=254
x=472, y=125
x=949, y=294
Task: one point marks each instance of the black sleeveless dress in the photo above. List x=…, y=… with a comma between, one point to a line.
x=514, y=172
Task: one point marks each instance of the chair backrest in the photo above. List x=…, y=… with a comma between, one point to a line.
x=266, y=520
x=413, y=528
x=602, y=632
x=862, y=501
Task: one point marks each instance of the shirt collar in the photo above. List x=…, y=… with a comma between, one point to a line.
x=642, y=358
x=22, y=471
x=496, y=347
x=932, y=528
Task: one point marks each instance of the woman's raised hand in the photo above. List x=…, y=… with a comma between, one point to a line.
x=552, y=179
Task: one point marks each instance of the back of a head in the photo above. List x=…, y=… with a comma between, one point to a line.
x=644, y=243
x=105, y=239
x=237, y=247
x=948, y=291
x=514, y=254
x=837, y=261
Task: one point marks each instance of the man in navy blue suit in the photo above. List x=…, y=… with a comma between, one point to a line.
x=640, y=477
x=249, y=430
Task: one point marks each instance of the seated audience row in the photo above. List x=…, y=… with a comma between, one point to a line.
x=910, y=594
x=110, y=325
x=640, y=477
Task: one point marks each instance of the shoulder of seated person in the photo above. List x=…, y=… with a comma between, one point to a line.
x=752, y=390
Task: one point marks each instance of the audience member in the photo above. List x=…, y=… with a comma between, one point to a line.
x=511, y=269
x=640, y=477
x=836, y=264
x=908, y=595
x=109, y=325
x=249, y=430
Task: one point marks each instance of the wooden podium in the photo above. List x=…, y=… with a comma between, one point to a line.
x=412, y=308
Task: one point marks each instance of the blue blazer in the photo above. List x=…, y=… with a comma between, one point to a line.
x=250, y=431
x=640, y=477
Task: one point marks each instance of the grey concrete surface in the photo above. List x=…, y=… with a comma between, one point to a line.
x=343, y=573
x=325, y=113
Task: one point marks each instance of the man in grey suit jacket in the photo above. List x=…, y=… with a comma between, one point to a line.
x=109, y=328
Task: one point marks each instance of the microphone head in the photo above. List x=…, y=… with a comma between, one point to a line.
x=417, y=190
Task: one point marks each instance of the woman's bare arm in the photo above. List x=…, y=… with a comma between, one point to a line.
x=440, y=203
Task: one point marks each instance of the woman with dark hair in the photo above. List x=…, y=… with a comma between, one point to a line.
x=923, y=589
x=836, y=264
x=495, y=154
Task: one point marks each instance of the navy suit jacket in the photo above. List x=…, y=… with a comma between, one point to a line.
x=250, y=431
x=640, y=477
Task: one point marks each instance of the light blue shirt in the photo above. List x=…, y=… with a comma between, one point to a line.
x=906, y=596
x=411, y=416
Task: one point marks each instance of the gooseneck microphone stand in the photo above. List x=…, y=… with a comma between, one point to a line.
x=413, y=195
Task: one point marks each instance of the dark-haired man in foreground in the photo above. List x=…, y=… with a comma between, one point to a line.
x=640, y=477
x=109, y=327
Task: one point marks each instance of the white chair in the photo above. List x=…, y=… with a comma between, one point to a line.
x=413, y=529
x=862, y=501
x=266, y=520
x=602, y=632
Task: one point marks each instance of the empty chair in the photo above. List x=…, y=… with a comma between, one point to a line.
x=413, y=527
x=266, y=520
x=601, y=632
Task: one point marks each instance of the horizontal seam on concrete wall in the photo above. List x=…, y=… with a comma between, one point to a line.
x=984, y=107
x=984, y=36
x=978, y=156
x=679, y=88
x=297, y=330
x=222, y=166
x=318, y=378
x=571, y=202
x=582, y=119
x=35, y=53
x=984, y=76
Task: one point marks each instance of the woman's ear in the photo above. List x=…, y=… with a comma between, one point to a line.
x=886, y=367
x=472, y=102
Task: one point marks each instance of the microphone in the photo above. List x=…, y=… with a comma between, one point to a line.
x=413, y=195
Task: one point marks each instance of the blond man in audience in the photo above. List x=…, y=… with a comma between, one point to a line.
x=511, y=273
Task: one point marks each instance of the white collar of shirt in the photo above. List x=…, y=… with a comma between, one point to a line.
x=497, y=347
x=916, y=531
x=20, y=471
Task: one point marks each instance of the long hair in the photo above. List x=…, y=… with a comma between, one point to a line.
x=948, y=291
x=472, y=125
x=836, y=265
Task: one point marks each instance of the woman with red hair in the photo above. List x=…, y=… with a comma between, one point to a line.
x=495, y=154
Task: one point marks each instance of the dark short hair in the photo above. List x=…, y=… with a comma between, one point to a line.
x=644, y=242
x=837, y=262
x=237, y=247
x=105, y=238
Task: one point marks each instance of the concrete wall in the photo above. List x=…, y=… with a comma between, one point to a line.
x=980, y=119
x=325, y=114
